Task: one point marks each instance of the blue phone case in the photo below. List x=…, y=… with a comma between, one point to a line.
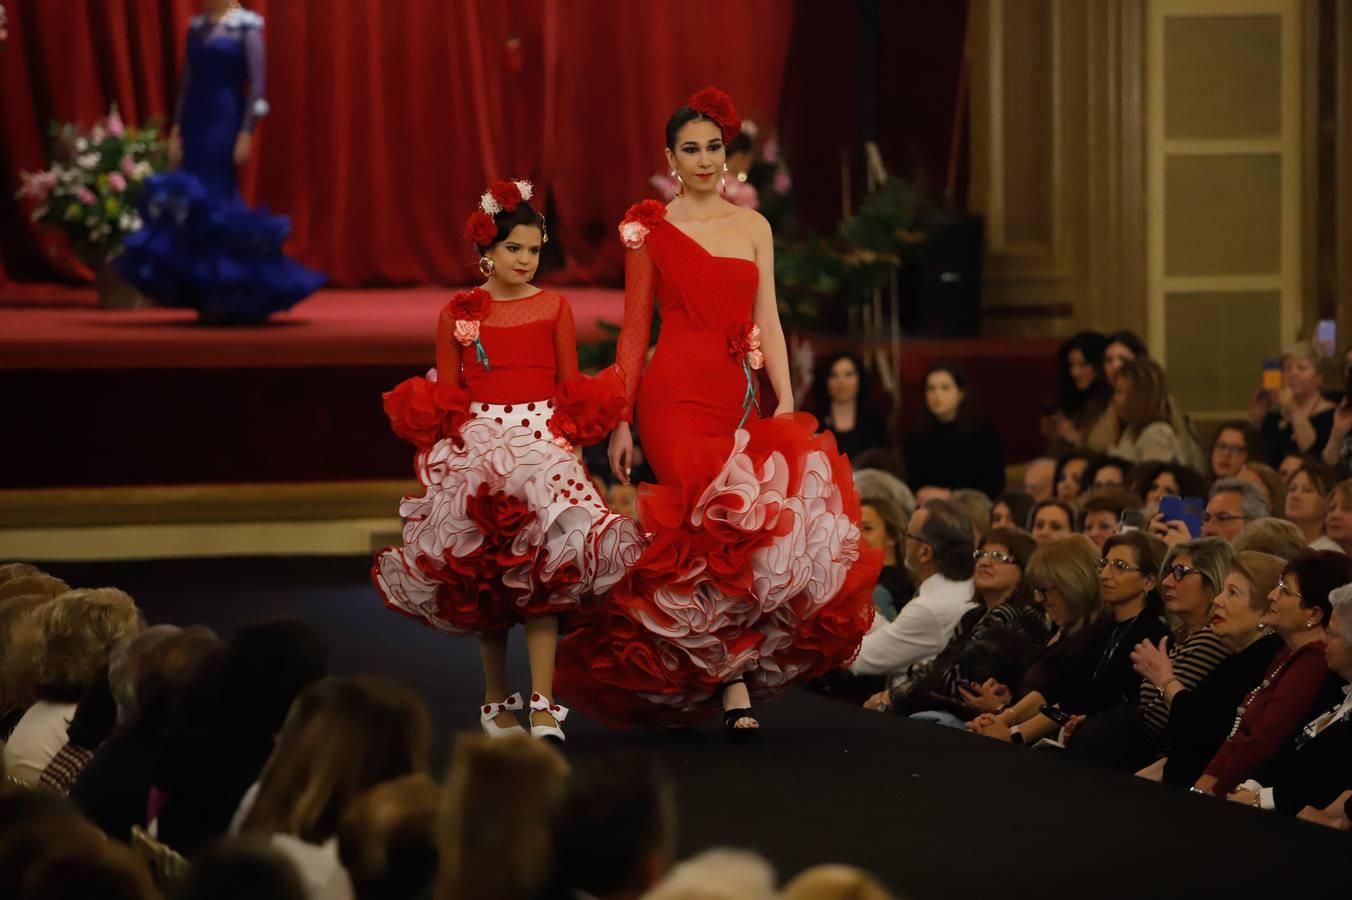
x=1187, y=510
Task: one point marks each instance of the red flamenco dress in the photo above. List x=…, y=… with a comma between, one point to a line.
x=509, y=525
x=754, y=566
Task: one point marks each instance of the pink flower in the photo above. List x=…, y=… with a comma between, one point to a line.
x=87, y=197
x=128, y=167
x=37, y=187
x=632, y=234
x=117, y=182
x=755, y=359
x=783, y=182
x=115, y=126
x=770, y=151
x=466, y=331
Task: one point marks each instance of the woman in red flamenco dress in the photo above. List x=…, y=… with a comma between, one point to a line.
x=509, y=528
x=754, y=576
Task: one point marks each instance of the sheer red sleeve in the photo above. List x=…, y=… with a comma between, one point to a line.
x=565, y=345
x=448, y=351
x=632, y=350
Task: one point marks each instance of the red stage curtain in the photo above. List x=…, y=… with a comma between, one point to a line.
x=390, y=116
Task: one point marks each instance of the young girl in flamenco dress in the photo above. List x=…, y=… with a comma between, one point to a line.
x=755, y=577
x=510, y=528
x=201, y=247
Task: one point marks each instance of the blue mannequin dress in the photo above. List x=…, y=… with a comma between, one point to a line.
x=201, y=247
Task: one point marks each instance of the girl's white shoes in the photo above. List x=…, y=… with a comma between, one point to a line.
x=541, y=703
x=489, y=712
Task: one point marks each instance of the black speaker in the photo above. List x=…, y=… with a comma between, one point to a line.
x=941, y=289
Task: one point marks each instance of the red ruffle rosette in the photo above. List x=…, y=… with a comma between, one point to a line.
x=480, y=229
x=718, y=106
x=472, y=305
x=424, y=411
x=507, y=194
x=588, y=408
x=648, y=213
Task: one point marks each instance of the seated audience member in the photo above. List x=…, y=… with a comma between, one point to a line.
x=878, y=483
x=1236, y=442
x=1201, y=717
x=615, y=832
x=1125, y=347
x=11, y=570
x=39, y=583
x=834, y=882
x=929, y=492
x=718, y=874
x=938, y=554
x=1108, y=473
x=1039, y=479
x=1051, y=520
x=239, y=868
x=1297, y=418
x=1101, y=515
x=387, y=839
x=148, y=676
x=1151, y=481
x=1233, y=503
x=91, y=724
x=844, y=400
x=955, y=446
x=1129, y=737
x=15, y=689
x=1071, y=467
x=885, y=459
x=977, y=507
x=1140, y=399
x=60, y=648
x=1005, y=606
x=1338, y=522
x=342, y=737
x=1085, y=394
x=1336, y=453
x=231, y=727
x=882, y=526
x=1012, y=509
x=1271, y=535
x=1269, y=483
x=1065, y=583
x=1307, y=504
x=1289, y=464
x=1273, y=710
x=493, y=832
x=1314, y=770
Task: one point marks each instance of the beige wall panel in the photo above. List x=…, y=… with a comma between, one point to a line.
x=1224, y=77
x=1223, y=215
x=1217, y=343
x=1027, y=138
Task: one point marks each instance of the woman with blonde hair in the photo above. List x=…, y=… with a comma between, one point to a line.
x=494, y=828
x=1297, y=418
x=1141, y=400
x=342, y=737
x=58, y=650
x=834, y=882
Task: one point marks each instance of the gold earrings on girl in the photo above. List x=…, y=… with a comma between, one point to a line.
x=486, y=266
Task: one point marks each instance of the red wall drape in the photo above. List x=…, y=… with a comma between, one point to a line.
x=390, y=116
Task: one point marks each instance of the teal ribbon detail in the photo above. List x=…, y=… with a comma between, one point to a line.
x=481, y=354
x=749, y=402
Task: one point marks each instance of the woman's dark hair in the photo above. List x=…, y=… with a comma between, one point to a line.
x=1149, y=552
x=1191, y=483
x=683, y=117
x=1089, y=456
x=1252, y=441
x=1020, y=505
x=819, y=397
x=960, y=379
x=1108, y=462
x=739, y=144
x=522, y=214
x=1059, y=504
x=1129, y=339
x=1073, y=400
x=1320, y=573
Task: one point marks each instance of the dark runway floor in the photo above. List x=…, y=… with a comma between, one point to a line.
x=936, y=813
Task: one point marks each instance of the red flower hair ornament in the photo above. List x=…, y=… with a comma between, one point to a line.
x=717, y=105
x=480, y=229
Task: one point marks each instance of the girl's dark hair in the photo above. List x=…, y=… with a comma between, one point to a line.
x=960, y=379
x=1129, y=339
x=1020, y=505
x=820, y=398
x=739, y=144
x=1090, y=458
x=523, y=214
x=683, y=117
x=1091, y=344
x=1191, y=483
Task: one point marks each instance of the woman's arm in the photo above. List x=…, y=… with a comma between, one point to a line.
x=255, y=55
x=766, y=315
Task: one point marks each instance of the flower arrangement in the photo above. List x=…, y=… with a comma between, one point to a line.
x=89, y=192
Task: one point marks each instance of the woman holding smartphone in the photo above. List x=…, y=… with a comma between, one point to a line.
x=1295, y=418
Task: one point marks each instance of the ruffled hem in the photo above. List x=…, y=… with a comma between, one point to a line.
x=508, y=527
x=755, y=569
x=216, y=256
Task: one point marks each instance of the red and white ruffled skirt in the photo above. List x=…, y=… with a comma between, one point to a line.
x=754, y=568
x=509, y=526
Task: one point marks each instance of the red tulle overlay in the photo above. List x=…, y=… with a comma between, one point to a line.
x=509, y=526
x=423, y=410
x=754, y=568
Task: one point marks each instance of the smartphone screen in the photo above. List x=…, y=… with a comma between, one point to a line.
x=1272, y=375
x=1132, y=520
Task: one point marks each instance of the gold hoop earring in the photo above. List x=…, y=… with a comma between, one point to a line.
x=486, y=266
x=680, y=183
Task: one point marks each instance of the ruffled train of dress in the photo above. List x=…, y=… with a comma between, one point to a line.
x=754, y=568
x=214, y=255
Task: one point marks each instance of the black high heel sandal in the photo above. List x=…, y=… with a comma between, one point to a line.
x=732, y=716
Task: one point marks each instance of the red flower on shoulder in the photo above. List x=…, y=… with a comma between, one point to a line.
x=717, y=105
x=507, y=194
x=480, y=229
x=472, y=305
x=649, y=213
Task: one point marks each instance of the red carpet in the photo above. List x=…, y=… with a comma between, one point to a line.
x=46, y=327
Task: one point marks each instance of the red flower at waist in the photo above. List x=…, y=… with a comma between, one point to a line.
x=744, y=345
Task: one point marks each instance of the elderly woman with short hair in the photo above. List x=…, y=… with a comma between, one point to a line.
x=1315, y=771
